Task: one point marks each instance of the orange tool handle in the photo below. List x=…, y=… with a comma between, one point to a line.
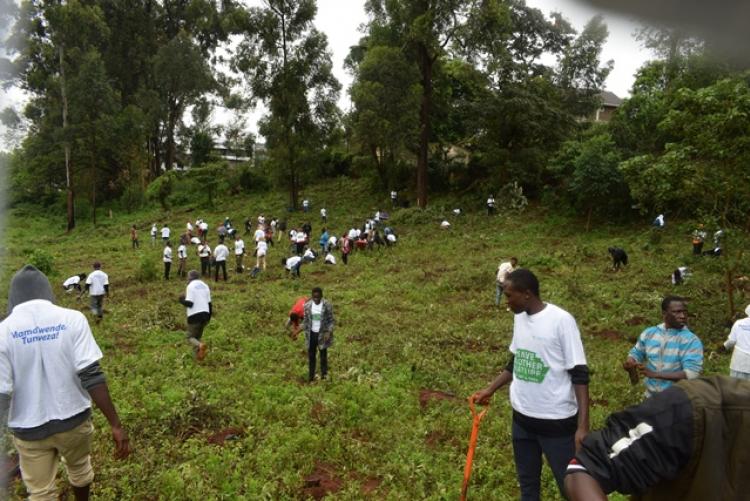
x=477, y=418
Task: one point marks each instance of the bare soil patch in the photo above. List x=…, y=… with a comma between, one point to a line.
x=426, y=396
x=322, y=481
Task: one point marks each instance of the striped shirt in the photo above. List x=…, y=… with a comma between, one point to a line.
x=668, y=350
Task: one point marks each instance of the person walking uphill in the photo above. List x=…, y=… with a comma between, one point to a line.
x=167, y=258
x=49, y=375
x=548, y=379
x=97, y=285
x=197, y=300
x=668, y=352
x=318, y=322
x=221, y=253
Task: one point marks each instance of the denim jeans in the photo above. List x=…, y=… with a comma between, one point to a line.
x=527, y=451
x=312, y=352
x=498, y=293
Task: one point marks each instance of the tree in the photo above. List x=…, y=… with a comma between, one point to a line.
x=386, y=96
x=287, y=64
x=425, y=28
x=184, y=76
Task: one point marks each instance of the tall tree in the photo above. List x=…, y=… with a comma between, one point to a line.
x=426, y=28
x=287, y=65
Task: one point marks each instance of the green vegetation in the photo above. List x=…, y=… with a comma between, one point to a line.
x=416, y=317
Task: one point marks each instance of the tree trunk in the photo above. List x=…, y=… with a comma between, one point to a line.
x=71, y=216
x=379, y=165
x=171, y=124
x=426, y=66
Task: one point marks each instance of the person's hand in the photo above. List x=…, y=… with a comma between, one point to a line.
x=482, y=397
x=579, y=436
x=182, y=297
x=643, y=371
x=122, y=442
x=629, y=364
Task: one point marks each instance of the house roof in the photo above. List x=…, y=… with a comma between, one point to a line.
x=610, y=99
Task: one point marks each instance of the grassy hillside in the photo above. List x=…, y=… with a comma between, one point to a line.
x=417, y=332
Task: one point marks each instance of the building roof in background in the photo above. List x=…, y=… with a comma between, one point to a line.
x=610, y=99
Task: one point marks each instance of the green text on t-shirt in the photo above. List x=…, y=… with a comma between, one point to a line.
x=527, y=366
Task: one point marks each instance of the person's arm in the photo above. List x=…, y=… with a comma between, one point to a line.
x=582, y=396
x=185, y=302
x=210, y=310
x=106, y=289
x=581, y=486
x=636, y=355
x=667, y=376
x=100, y=396
x=482, y=397
x=732, y=339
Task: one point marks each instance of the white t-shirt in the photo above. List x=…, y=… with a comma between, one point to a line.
x=198, y=292
x=74, y=280
x=262, y=248
x=546, y=345
x=445, y=224
x=323, y=212
x=239, y=247
x=305, y=203
x=352, y=233
x=204, y=227
x=291, y=262
x=221, y=252
x=391, y=237
x=261, y=220
x=739, y=338
x=195, y=240
x=332, y=241
x=317, y=311
x=165, y=232
x=491, y=202
x=293, y=235
x=259, y=235
x=393, y=195
x=189, y=226
x=96, y=282
x=182, y=251
x=167, y=254
x=154, y=230
x=42, y=348
x=309, y=254
x=204, y=250
x=330, y=258
x=301, y=237
x=503, y=271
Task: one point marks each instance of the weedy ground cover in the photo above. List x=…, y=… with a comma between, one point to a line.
x=417, y=333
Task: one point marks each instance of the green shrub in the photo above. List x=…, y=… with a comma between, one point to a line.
x=42, y=261
x=148, y=268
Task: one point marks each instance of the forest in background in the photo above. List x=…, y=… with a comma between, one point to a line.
x=476, y=97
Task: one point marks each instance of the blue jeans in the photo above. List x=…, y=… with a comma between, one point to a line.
x=498, y=293
x=527, y=451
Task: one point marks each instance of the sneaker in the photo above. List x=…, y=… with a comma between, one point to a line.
x=202, y=349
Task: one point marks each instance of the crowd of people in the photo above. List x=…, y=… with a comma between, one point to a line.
x=49, y=351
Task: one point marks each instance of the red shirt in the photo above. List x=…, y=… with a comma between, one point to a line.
x=299, y=309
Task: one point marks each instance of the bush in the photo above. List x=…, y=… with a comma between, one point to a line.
x=42, y=261
x=148, y=268
x=132, y=198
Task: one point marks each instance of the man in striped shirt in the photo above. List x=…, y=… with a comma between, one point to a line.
x=668, y=352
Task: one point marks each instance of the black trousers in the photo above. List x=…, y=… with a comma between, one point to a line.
x=223, y=266
x=205, y=266
x=312, y=354
x=345, y=257
x=167, y=267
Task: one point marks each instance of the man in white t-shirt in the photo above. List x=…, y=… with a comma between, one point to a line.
x=324, y=215
x=261, y=250
x=318, y=322
x=394, y=198
x=548, y=379
x=154, y=232
x=165, y=232
x=330, y=259
x=221, y=253
x=259, y=234
x=182, y=256
x=239, y=252
x=97, y=285
x=306, y=205
x=74, y=283
x=197, y=300
x=49, y=374
x=204, y=254
x=292, y=265
x=490, y=205
x=739, y=340
x=167, y=258
x=503, y=270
